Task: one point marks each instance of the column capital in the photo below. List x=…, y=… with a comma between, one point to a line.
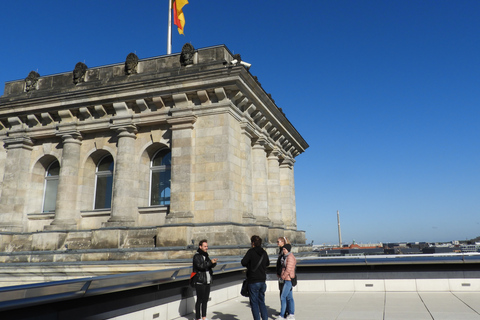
x=247, y=129
x=125, y=130
x=72, y=136
x=260, y=143
x=16, y=142
x=287, y=163
x=185, y=122
x=274, y=154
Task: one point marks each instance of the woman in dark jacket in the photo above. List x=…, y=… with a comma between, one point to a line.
x=203, y=266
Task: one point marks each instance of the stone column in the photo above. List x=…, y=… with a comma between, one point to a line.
x=274, y=197
x=66, y=205
x=125, y=179
x=182, y=148
x=259, y=183
x=293, y=221
x=247, y=216
x=287, y=191
x=15, y=184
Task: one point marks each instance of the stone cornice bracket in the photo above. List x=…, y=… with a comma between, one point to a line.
x=158, y=102
x=181, y=101
x=46, y=118
x=16, y=125
x=186, y=122
x=203, y=97
x=122, y=117
x=221, y=94
x=267, y=127
x=85, y=113
x=32, y=120
x=66, y=116
x=100, y=110
x=68, y=122
x=249, y=110
x=142, y=105
x=121, y=109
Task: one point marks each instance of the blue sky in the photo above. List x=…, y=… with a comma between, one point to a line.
x=386, y=93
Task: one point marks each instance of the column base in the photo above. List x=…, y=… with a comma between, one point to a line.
x=9, y=227
x=248, y=218
x=61, y=224
x=119, y=222
x=263, y=221
x=179, y=217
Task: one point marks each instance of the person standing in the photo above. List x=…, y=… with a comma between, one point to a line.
x=281, y=241
x=288, y=273
x=256, y=260
x=203, y=266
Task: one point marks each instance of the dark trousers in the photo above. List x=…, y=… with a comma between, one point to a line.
x=257, y=300
x=203, y=293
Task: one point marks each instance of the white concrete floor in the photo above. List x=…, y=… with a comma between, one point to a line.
x=359, y=305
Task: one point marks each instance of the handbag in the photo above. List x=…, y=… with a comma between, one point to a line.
x=294, y=279
x=244, y=291
x=193, y=278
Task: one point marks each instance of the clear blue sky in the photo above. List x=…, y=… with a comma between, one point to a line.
x=386, y=93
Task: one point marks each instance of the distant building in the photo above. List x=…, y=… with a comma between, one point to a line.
x=152, y=152
x=470, y=247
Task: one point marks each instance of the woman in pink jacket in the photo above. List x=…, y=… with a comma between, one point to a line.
x=288, y=273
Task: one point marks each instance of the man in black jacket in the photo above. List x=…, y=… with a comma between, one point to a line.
x=256, y=260
x=203, y=266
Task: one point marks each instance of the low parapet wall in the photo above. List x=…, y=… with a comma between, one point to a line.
x=165, y=294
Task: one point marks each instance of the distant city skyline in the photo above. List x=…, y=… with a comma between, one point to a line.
x=385, y=93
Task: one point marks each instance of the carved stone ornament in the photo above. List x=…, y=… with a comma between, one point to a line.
x=79, y=72
x=131, y=63
x=31, y=81
x=186, y=57
x=237, y=56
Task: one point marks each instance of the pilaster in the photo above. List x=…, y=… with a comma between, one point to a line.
x=182, y=148
x=124, y=199
x=247, y=200
x=274, y=198
x=259, y=182
x=15, y=182
x=287, y=191
x=66, y=213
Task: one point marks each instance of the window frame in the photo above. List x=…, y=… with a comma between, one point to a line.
x=48, y=178
x=103, y=174
x=162, y=168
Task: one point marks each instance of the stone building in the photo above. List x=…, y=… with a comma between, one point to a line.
x=147, y=153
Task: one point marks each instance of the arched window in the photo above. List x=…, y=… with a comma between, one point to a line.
x=160, y=174
x=51, y=186
x=104, y=183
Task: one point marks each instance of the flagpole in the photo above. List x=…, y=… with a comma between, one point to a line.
x=169, y=41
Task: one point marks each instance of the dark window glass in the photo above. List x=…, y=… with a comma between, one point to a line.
x=51, y=187
x=160, y=178
x=104, y=183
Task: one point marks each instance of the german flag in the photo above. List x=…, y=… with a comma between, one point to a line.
x=179, y=18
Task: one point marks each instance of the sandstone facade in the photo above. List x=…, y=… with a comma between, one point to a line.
x=162, y=153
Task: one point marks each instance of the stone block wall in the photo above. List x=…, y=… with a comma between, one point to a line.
x=232, y=157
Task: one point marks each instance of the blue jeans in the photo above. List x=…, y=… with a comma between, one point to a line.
x=257, y=300
x=286, y=299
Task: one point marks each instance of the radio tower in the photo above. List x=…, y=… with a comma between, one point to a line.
x=339, y=230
